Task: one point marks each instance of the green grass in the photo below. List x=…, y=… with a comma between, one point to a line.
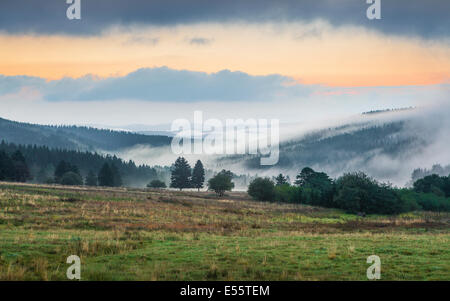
x=160, y=235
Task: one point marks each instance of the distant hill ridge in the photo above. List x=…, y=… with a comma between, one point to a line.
x=75, y=137
x=387, y=110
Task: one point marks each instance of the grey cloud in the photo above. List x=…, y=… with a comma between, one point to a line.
x=143, y=40
x=200, y=41
x=428, y=19
x=161, y=84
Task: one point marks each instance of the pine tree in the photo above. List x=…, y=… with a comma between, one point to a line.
x=181, y=174
x=6, y=167
x=65, y=167
x=21, y=171
x=106, y=176
x=91, y=179
x=198, y=175
x=116, y=176
x=281, y=180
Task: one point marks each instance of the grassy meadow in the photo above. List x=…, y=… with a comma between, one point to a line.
x=133, y=234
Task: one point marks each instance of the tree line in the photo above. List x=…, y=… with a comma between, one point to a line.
x=354, y=192
x=42, y=162
x=69, y=174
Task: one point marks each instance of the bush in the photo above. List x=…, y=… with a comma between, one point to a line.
x=287, y=194
x=71, y=178
x=262, y=189
x=425, y=201
x=434, y=184
x=221, y=182
x=356, y=192
x=157, y=184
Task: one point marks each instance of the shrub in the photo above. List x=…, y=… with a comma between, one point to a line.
x=157, y=184
x=425, y=201
x=221, y=182
x=71, y=178
x=262, y=189
x=287, y=194
x=434, y=184
x=356, y=192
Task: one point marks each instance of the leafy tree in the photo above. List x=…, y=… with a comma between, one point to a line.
x=221, y=182
x=157, y=184
x=317, y=187
x=431, y=184
x=446, y=186
x=281, y=180
x=198, y=175
x=356, y=192
x=106, y=176
x=181, y=174
x=71, y=178
x=262, y=189
x=424, y=201
x=304, y=176
x=287, y=194
x=91, y=179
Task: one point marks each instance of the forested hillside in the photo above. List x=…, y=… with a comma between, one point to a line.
x=74, y=137
x=338, y=145
x=43, y=160
x=382, y=150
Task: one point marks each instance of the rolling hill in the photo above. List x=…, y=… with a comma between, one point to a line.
x=75, y=137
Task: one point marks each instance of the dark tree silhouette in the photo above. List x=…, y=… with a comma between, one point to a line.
x=157, y=184
x=281, y=180
x=21, y=171
x=262, y=189
x=181, y=174
x=198, y=175
x=116, y=176
x=64, y=167
x=6, y=167
x=71, y=178
x=106, y=176
x=91, y=179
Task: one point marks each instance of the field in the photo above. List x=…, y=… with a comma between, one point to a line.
x=132, y=234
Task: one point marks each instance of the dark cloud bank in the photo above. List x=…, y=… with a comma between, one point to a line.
x=428, y=19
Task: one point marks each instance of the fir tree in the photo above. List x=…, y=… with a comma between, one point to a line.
x=181, y=174
x=91, y=179
x=198, y=175
x=106, y=176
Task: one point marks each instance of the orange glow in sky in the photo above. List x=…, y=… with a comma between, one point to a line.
x=335, y=57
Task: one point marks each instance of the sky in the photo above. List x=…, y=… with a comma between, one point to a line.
x=149, y=62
